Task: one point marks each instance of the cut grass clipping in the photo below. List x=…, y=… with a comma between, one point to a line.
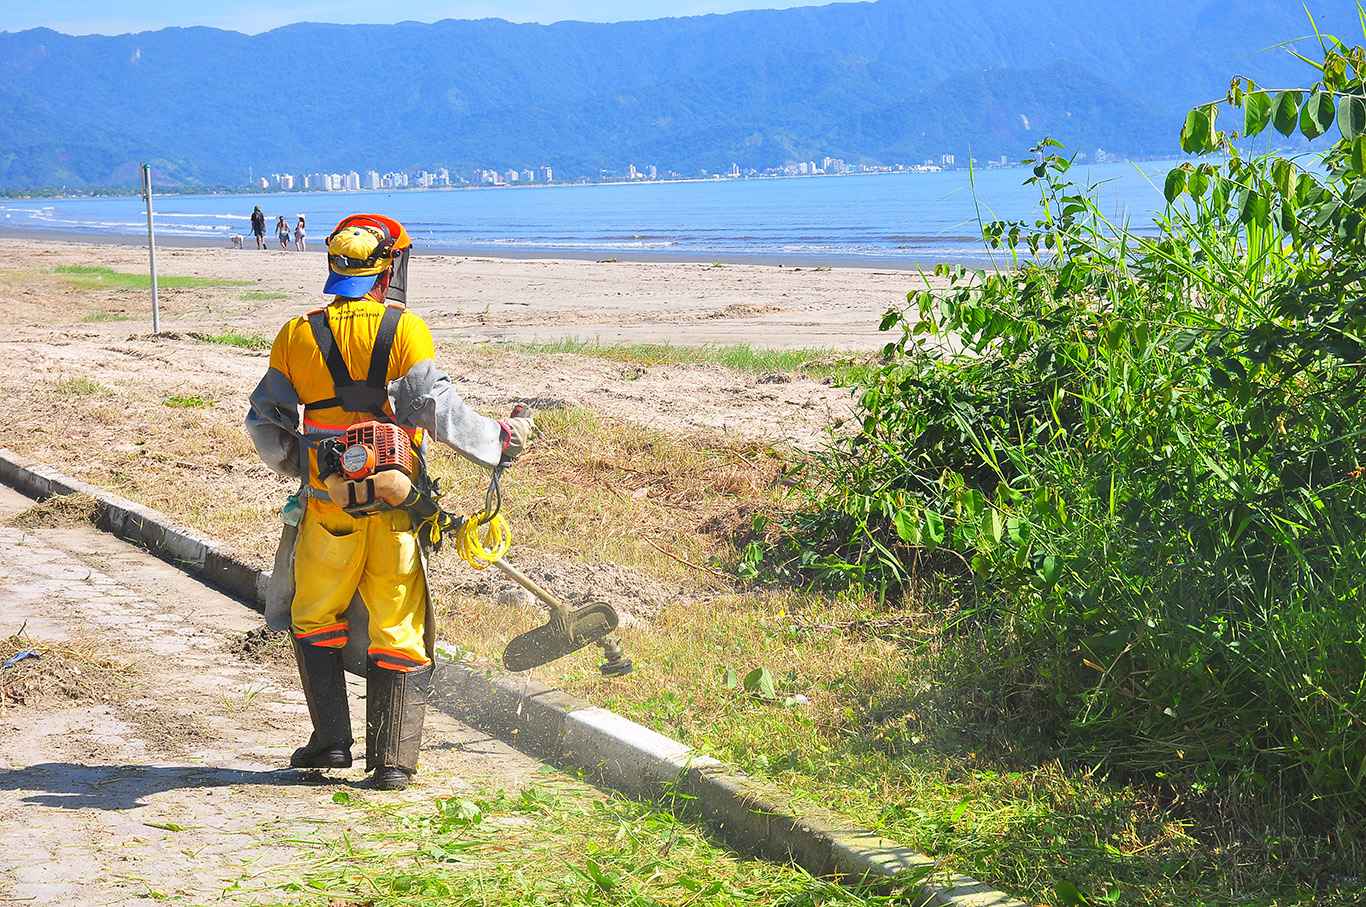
x=98, y=277
x=76, y=671
x=556, y=843
x=57, y=511
x=741, y=357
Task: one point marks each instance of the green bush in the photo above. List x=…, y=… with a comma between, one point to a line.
x=1137, y=460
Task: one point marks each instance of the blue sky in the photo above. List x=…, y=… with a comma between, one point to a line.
x=103, y=17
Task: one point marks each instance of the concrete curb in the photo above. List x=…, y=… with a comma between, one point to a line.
x=748, y=814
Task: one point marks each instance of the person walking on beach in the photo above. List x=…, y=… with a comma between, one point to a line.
x=258, y=226
x=282, y=231
x=300, y=235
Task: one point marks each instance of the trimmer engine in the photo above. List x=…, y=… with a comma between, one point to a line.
x=372, y=447
x=369, y=468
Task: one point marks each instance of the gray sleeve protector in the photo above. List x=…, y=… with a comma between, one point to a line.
x=273, y=423
x=425, y=398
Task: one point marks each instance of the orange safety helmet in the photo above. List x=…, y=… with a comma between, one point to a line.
x=366, y=252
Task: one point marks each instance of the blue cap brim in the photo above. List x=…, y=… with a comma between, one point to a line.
x=349, y=287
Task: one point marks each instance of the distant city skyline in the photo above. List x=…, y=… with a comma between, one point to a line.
x=79, y=17
x=441, y=177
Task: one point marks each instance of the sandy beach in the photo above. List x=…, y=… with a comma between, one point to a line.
x=491, y=299
x=482, y=312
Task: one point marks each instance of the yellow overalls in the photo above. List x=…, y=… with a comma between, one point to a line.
x=336, y=552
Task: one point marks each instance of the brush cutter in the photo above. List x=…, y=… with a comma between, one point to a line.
x=483, y=540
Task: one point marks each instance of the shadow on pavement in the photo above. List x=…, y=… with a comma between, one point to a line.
x=68, y=785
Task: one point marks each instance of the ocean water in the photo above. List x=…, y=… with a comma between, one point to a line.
x=882, y=219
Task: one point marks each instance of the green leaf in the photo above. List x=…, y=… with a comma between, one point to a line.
x=1352, y=116
x=1256, y=209
x=1256, y=112
x=759, y=682
x=598, y=876
x=341, y=797
x=1197, y=181
x=993, y=526
x=1285, y=176
x=461, y=812
x=1068, y=894
x=1050, y=571
x=1197, y=136
x=729, y=679
x=1318, y=115
x=165, y=826
x=1176, y=184
x=1359, y=154
x=1287, y=114
x=934, y=529
x=907, y=527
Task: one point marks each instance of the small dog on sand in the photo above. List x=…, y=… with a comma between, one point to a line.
x=236, y=241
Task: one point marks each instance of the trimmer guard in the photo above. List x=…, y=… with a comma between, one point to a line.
x=552, y=641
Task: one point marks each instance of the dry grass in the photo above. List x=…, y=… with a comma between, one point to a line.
x=77, y=671
x=603, y=491
x=591, y=491
x=56, y=512
x=193, y=463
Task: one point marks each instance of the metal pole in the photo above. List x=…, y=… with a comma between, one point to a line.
x=151, y=246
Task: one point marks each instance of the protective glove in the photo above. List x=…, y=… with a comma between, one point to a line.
x=518, y=431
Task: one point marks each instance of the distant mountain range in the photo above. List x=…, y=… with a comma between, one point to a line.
x=896, y=80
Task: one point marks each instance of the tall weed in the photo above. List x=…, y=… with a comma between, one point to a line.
x=1140, y=467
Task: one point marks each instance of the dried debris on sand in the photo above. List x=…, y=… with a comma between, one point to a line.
x=75, y=671
x=262, y=646
x=57, y=512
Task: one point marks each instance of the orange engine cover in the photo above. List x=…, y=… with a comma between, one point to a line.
x=371, y=447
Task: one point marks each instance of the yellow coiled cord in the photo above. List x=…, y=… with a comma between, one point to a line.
x=481, y=549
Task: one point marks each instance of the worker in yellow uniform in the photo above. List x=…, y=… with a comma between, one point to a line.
x=363, y=358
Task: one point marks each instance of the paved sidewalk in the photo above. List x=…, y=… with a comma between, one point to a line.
x=172, y=791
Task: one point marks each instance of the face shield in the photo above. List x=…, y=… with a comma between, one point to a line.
x=398, y=280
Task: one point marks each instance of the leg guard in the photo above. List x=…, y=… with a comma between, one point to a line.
x=394, y=707
x=324, y=683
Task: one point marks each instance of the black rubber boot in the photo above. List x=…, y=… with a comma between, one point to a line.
x=324, y=683
x=395, y=704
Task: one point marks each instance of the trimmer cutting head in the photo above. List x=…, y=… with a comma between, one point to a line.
x=560, y=637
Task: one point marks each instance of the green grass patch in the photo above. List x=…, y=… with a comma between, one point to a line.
x=741, y=357
x=235, y=338
x=859, y=723
x=98, y=277
x=187, y=401
x=81, y=387
x=869, y=713
x=100, y=317
x=263, y=296
x=556, y=843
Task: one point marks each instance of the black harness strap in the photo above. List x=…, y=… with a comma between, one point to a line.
x=384, y=344
x=370, y=396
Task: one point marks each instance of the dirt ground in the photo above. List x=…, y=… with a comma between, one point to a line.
x=56, y=329
x=171, y=790
x=159, y=418
x=484, y=299
x=174, y=791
